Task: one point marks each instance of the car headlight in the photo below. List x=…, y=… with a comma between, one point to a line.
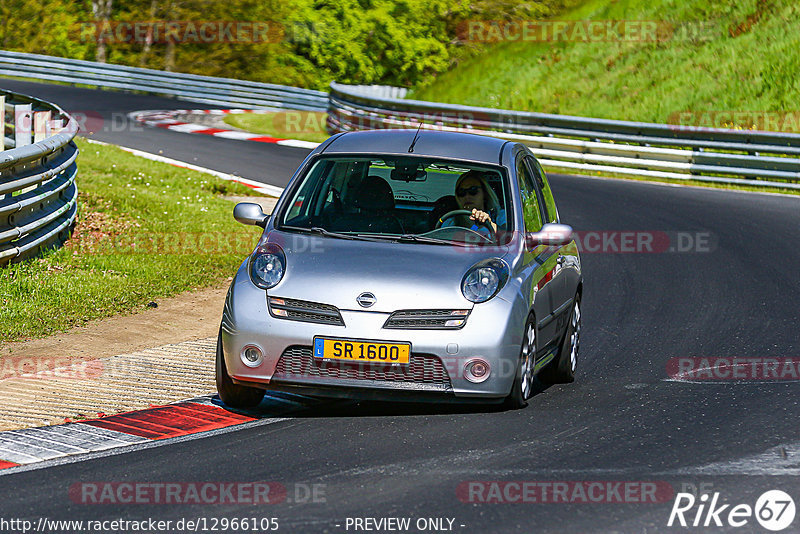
x=484, y=280
x=267, y=265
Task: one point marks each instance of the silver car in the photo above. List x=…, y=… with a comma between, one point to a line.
x=405, y=265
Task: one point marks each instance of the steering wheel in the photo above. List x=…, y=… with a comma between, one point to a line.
x=456, y=213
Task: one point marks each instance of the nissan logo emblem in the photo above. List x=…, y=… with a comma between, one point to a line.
x=365, y=300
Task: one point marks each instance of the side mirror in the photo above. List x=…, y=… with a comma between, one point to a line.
x=250, y=213
x=550, y=234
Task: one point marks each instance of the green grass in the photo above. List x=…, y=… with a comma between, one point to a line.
x=300, y=125
x=746, y=58
x=146, y=230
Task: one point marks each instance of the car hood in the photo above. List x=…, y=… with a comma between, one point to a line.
x=401, y=276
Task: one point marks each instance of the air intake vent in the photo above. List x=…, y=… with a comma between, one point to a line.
x=425, y=372
x=427, y=319
x=301, y=310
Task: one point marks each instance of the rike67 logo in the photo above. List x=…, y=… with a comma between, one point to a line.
x=774, y=510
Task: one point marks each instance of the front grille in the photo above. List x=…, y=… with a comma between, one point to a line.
x=430, y=319
x=302, y=310
x=424, y=372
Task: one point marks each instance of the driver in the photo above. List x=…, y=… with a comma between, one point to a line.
x=474, y=193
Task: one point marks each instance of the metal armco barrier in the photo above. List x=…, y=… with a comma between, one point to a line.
x=640, y=149
x=190, y=87
x=585, y=144
x=38, y=195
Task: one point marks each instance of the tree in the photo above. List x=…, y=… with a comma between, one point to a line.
x=101, y=9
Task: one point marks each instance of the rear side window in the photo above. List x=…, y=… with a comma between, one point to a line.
x=551, y=213
x=530, y=204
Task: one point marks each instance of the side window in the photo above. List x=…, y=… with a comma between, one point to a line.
x=301, y=206
x=530, y=204
x=551, y=213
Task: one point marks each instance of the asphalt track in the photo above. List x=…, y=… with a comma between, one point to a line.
x=622, y=420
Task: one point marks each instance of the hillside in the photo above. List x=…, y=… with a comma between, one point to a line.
x=709, y=55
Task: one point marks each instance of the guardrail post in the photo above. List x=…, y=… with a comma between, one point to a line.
x=55, y=126
x=41, y=121
x=2, y=123
x=23, y=121
x=38, y=194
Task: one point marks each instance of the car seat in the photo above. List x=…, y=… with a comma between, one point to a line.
x=374, y=202
x=446, y=204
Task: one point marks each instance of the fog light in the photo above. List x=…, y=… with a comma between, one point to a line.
x=477, y=371
x=251, y=356
x=454, y=322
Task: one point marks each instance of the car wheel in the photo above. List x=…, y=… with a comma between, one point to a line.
x=234, y=395
x=523, y=380
x=562, y=369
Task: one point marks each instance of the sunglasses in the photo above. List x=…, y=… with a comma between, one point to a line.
x=472, y=191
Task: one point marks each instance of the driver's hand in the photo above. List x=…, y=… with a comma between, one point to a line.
x=480, y=216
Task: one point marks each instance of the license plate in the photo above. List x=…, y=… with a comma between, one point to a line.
x=361, y=351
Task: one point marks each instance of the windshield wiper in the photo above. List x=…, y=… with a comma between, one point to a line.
x=413, y=238
x=327, y=233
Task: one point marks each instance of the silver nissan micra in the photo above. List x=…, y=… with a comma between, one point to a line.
x=405, y=265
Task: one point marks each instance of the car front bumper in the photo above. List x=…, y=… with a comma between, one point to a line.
x=492, y=332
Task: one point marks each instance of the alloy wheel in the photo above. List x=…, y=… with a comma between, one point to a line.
x=575, y=338
x=529, y=360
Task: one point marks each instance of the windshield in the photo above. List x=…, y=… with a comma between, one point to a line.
x=403, y=199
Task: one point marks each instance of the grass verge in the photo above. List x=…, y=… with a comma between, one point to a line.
x=145, y=230
x=300, y=125
x=710, y=56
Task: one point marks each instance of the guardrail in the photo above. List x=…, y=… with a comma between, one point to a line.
x=585, y=144
x=191, y=87
x=560, y=142
x=38, y=195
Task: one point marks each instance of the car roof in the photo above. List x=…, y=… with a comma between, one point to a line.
x=449, y=145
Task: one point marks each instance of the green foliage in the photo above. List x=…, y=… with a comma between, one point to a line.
x=43, y=27
x=397, y=42
x=723, y=56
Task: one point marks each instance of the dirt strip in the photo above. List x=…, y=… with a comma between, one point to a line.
x=118, y=364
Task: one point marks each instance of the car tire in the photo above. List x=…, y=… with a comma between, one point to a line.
x=522, y=389
x=233, y=395
x=562, y=369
